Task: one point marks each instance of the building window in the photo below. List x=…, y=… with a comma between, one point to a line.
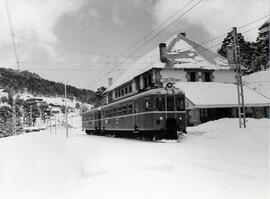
x=130, y=89
x=192, y=76
x=203, y=112
x=145, y=82
x=207, y=76
x=137, y=82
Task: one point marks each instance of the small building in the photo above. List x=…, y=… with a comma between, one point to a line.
x=206, y=101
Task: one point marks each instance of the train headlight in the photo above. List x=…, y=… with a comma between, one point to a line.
x=161, y=118
x=180, y=118
x=169, y=86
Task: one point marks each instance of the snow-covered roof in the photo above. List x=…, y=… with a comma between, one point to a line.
x=215, y=94
x=186, y=54
x=259, y=82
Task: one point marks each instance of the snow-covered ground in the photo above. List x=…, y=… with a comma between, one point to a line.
x=214, y=160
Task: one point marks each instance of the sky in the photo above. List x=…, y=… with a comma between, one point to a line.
x=83, y=42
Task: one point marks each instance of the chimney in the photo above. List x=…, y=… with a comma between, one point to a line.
x=164, y=58
x=183, y=34
x=162, y=51
x=110, y=81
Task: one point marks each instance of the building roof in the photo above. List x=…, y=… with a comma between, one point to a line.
x=259, y=82
x=217, y=95
x=265, y=24
x=186, y=54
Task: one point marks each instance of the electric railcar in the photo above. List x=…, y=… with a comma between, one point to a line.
x=153, y=114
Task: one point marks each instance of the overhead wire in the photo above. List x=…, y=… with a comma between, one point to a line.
x=205, y=49
x=147, y=42
x=219, y=36
x=155, y=29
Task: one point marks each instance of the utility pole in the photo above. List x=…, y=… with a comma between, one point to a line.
x=14, y=115
x=50, y=119
x=55, y=123
x=240, y=93
x=31, y=115
x=66, y=110
x=12, y=35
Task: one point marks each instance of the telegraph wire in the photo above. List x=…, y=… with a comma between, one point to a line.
x=205, y=49
x=156, y=28
x=58, y=45
x=225, y=33
x=12, y=34
x=156, y=35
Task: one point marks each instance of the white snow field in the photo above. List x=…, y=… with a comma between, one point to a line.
x=215, y=160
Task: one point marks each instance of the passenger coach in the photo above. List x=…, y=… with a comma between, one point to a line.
x=153, y=114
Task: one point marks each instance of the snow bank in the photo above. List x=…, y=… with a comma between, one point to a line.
x=214, y=160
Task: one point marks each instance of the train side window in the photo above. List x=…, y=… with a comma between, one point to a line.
x=113, y=112
x=147, y=104
x=170, y=103
x=124, y=110
x=120, y=111
x=180, y=104
x=160, y=104
x=130, y=107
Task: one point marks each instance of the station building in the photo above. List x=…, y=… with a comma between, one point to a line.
x=208, y=80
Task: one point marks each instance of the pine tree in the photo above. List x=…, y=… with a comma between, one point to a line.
x=247, y=50
x=262, y=45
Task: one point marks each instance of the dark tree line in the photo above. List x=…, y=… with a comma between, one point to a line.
x=253, y=55
x=33, y=83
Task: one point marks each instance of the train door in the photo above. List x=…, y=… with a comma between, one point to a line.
x=170, y=105
x=99, y=120
x=135, y=112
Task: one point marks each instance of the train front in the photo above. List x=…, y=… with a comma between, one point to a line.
x=170, y=116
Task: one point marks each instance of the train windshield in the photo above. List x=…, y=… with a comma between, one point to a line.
x=170, y=103
x=160, y=104
x=180, y=104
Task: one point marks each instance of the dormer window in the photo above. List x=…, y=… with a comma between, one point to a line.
x=192, y=76
x=207, y=77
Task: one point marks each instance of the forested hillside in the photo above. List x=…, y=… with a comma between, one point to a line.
x=20, y=81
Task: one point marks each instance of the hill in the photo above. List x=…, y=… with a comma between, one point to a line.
x=33, y=83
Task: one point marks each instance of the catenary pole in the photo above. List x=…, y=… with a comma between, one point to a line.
x=66, y=110
x=240, y=91
x=12, y=35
